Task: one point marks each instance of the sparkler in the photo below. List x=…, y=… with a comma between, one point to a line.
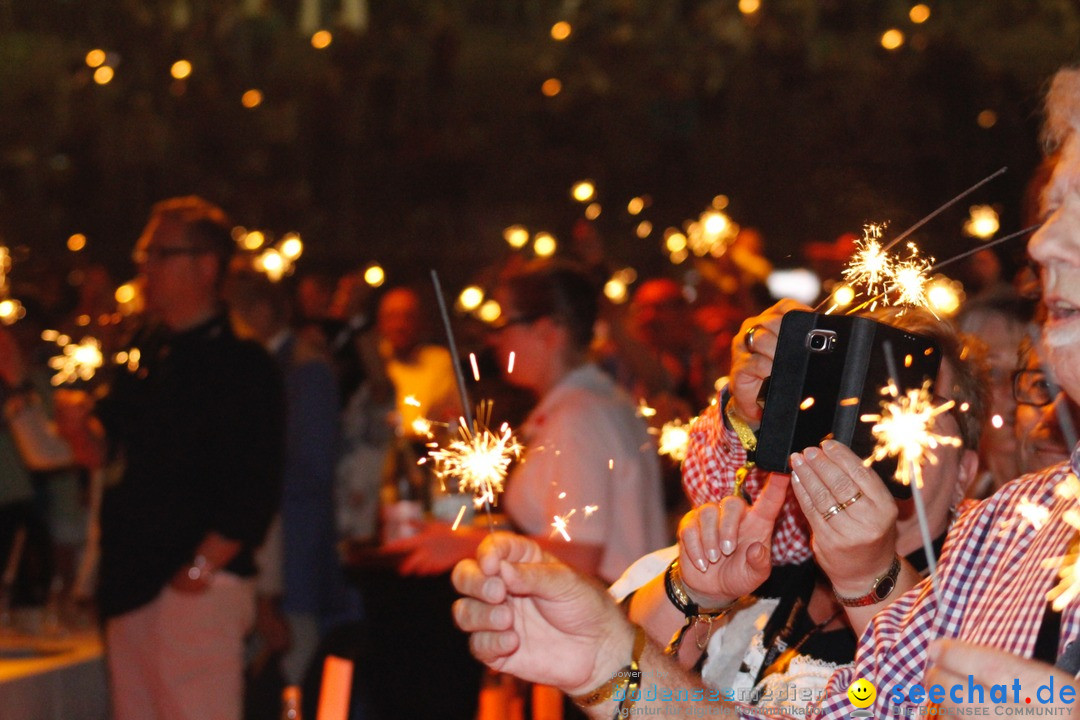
x=1068, y=565
x=675, y=438
x=909, y=279
x=871, y=267
x=79, y=361
x=904, y=430
x=479, y=460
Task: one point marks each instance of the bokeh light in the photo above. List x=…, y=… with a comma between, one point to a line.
x=551, y=87
x=76, y=242
x=322, y=39
x=919, y=13
x=544, y=245
x=375, y=276
x=251, y=99
x=892, y=39
x=104, y=75
x=561, y=30
x=180, y=69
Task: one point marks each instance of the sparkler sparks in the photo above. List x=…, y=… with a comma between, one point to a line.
x=904, y=429
x=909, y=279
x=1028, y=512
x=560, y=525
x=871, y=266
x=675, y=438
x=478, y=460
x=78, y=362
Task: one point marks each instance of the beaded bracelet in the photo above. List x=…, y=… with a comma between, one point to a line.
x=677, y=594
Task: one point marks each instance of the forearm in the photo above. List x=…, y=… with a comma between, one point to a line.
x=651, y=609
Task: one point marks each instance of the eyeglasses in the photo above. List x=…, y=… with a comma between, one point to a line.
x=1032, y=387
x=156, y=253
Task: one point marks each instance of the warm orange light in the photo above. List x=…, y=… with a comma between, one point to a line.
x=987, y=119
x=892, y=39
x=252, y=98
x=749, y=7
x=919, y=14
x=103, y=75
x=95, y=58
x=561, y=30
x=592, y=211
x=76, y=242
x=551, y=87
x=180, y=69
x=322, y=39
x=583, y=191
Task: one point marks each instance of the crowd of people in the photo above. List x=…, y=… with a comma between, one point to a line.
x=245, y=432
x=995, y=625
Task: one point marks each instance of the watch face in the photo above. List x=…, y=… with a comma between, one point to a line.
x=884, y=587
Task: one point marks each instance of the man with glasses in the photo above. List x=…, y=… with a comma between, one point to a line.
x=1045, y=422
x=193, y=443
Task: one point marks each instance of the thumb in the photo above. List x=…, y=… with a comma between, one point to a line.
x=758, y=560
x=771, y=498
x=547, y=580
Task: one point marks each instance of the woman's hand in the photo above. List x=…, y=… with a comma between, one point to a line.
x=856, y=544
x=724, y=547
x=751, y=365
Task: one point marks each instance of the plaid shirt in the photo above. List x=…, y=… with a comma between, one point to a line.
x=993, y=592
x=712, y=458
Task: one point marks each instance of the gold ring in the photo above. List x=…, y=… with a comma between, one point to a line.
x=851, y=501
x=748, y=337
x=834, y=510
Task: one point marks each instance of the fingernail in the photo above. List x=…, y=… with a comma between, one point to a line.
x=728, y=547
x=797, y=460
x=829, y=444
x=701, y=565
x=714, y=554
x=811, y=453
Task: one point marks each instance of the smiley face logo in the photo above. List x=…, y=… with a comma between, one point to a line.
x=862, y=693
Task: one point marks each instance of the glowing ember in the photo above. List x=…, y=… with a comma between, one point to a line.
x=475, y=367
x=560, y=523
x=643, y=409
x=79, y=361
x=904, y=430
x=807, y=403
x=478, y=461
x=590, y=509
x=460, y=514
x=675, y=438
x=421, y=427
x=510, y=362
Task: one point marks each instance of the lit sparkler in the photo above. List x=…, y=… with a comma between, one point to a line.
x=1028, y=512
x=675, y=438
x=909, y=279
x=1068, y=565
x=78, y=362
x=904, y=430
x=871, y=266
x=478, y=460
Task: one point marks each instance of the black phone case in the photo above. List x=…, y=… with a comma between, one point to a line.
x=812, y=396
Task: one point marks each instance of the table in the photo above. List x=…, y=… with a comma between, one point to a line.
x=56, y=678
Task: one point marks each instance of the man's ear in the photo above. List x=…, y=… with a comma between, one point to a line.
x=966, y=474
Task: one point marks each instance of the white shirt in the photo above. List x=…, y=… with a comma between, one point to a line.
x=589, y=454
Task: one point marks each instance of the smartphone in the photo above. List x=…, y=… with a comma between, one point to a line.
x=828, y=371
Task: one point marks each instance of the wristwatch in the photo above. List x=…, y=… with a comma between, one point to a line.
x=881, y=589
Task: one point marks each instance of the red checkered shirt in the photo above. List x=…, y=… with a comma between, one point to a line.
x=712, y=458
x=993, y=582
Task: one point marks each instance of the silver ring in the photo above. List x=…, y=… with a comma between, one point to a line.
x=851, y=501
x=834, y=510
x=748, y=337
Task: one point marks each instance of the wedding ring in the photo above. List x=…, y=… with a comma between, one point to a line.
x=748, y=337
x=834, y=510
x=851, y=501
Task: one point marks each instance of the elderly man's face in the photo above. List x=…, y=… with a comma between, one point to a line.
x=1056, y=247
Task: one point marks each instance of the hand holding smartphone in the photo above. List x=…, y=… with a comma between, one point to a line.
x=828, y=371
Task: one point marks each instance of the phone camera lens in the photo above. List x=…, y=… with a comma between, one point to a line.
x=817, y=342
